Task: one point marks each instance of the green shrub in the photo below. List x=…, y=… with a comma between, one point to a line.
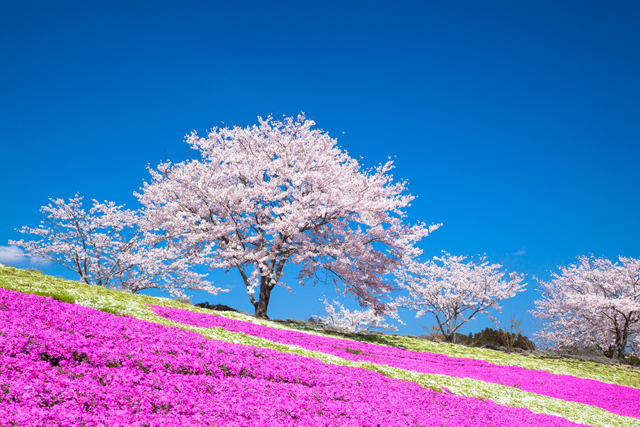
x=498, y=338
x=634, y=360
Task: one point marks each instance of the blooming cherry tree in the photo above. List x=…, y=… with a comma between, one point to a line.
x=111, y=247
x=455, y=291
x=278, y=193
x=592, y=303
x=355, y=320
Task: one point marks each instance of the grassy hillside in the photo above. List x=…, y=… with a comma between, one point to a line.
x=74, y=334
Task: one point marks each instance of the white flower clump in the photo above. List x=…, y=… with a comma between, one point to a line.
x=355, y=320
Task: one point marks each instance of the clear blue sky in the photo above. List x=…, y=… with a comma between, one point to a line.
x=518, y=123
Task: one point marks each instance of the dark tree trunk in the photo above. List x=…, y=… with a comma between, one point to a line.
x=622, y=344
x=263, y=302
x=610, y=352
x=275, y=268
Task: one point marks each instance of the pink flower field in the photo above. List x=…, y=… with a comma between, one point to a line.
x=617, y=399
x=66, y=365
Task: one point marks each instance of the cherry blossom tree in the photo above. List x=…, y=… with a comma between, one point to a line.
x=455, y=291
x=282, y=192
x=355, y=320
x=593, y=303
x=111, y=247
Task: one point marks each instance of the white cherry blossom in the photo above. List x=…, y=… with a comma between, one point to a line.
x=455, y=291
x=281, y=192
x=111, y=247
x=355, y=320
x=592, y=303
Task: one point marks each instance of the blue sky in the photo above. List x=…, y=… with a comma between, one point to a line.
x=517, y=123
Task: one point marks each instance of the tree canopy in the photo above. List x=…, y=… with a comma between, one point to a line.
x=282, y=192
x=455, y=291
x=592, y=303
x=112, y=247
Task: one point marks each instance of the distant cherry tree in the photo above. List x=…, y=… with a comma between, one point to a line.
x=111, y=247
x=259, y=198
x=593, y=303
x=455, y=291
x=355, y=320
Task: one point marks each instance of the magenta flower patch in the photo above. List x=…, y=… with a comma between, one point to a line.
x=63, y=364
x=617, y=399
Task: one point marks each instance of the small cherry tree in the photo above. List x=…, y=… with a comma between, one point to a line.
x=278, y=193
x=592, y=304
x=355, y=320
x=455, y=291
x=111, y=247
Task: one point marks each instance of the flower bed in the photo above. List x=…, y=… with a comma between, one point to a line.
x=135, y=305
x=63, y=364
x=617, y=399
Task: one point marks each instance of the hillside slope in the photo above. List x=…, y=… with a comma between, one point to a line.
x=79, y=355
